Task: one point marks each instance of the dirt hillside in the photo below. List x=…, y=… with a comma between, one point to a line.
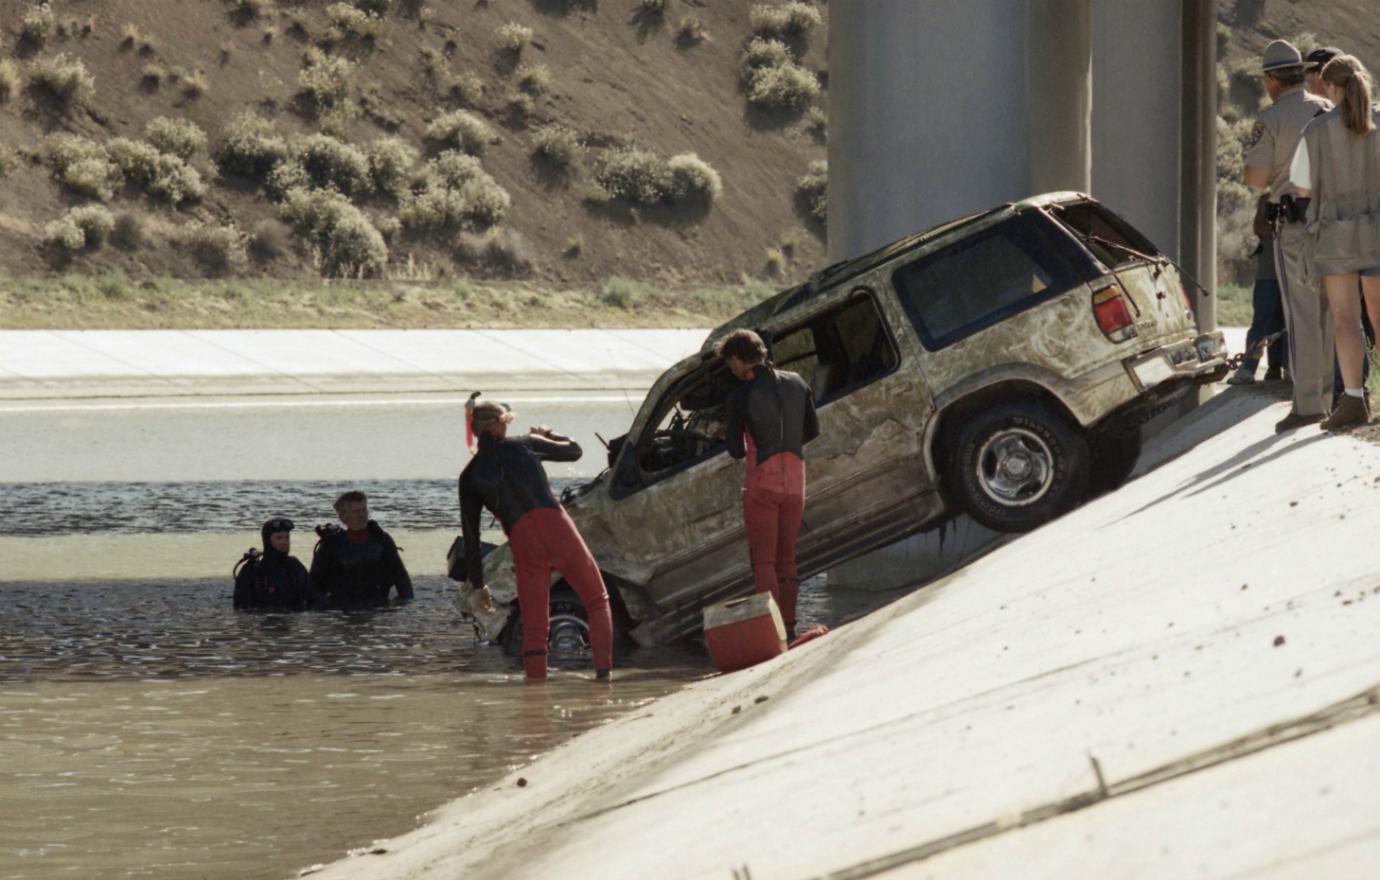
x=663, y=76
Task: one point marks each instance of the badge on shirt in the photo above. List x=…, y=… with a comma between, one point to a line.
x=1256, y=132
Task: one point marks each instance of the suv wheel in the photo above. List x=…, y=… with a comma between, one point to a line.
x=1018, y=466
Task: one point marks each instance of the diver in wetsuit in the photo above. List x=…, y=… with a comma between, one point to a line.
x=770, y=419
x=274, y=580
x=357, y=566
x=507, y=477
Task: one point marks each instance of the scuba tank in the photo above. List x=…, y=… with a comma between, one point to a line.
x=250, y=557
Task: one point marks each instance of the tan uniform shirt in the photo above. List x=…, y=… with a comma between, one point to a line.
x=1276, y=135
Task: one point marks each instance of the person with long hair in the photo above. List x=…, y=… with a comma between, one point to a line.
x=1338, y=167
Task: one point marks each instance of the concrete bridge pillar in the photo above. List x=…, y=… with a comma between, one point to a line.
x=944, y=108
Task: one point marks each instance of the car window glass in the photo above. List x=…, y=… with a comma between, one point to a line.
x=1112, y=240
x=981, y=280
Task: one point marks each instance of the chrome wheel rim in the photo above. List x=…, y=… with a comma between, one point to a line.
x=1015, y=467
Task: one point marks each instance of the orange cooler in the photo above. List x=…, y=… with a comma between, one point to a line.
x=743, y=632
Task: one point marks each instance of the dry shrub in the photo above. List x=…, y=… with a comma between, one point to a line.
x=9, y=160
x=349, y=22
x=812, y=191
x=762, y=52
x=217, y=249
x=789, y=19
x=63, y=236
x=653, y=7
x=83, y=228
x=64, y=79
x=390, y=162
x=557, y=145
x=269, y=240
x=330, y=162
x=348, y=244
x=129, y=231
x=457, y=194
x=179, y=137
x=501, y=250
x=82, y=166
x=461, y=129
x=325, y=80
x=690, y=31
x=693, y=180
x=534, y=79
x=788, y=87
x=9, y=80
x=513, y=37
x=163, y=176
x=245, y=11
x=152, y=77
x=635, y=175
x=95, y=222
x=195, y=84
x=37, y=25
x=465, y=89
x=251, y=147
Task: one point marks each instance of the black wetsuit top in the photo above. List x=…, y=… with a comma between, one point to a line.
x=506, y=476
x=275, y=581
x=350, y=575
x=778, y=408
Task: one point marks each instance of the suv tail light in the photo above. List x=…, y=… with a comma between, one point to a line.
x=1113, y=317
x=1188, y=300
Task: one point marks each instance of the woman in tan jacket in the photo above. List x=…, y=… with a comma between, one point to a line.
x=1338, y=167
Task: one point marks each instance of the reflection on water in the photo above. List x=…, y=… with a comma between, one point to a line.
x=151, y=732
x=33, y=509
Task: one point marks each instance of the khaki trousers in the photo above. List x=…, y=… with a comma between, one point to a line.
x=1312, y=355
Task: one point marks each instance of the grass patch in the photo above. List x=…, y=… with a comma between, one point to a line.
x=1234, y=306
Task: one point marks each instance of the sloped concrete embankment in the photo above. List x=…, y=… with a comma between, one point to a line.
x=1180, y=678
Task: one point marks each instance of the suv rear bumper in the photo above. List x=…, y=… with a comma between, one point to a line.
x=1202, y=360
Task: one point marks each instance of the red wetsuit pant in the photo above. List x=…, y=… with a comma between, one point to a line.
x=544, y=540
x=773, y=504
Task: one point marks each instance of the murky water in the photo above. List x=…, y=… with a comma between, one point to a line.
x=147, y=730
x=151, y=732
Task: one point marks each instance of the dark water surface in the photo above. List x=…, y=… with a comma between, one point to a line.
x=38, y=509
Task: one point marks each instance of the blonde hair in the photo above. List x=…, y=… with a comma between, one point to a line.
x=1350, y=75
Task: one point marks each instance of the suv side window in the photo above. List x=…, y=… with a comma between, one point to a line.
x=835, y=352
x=956, y=291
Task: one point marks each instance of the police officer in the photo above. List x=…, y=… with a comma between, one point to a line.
x=1270, y=152
x=1313, y=65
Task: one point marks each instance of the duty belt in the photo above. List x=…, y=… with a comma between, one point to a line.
x=1287, y=210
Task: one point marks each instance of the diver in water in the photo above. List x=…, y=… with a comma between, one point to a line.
x=273, y=579
x=357, y=566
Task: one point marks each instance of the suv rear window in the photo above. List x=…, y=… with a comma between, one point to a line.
x=980, y=281
x=1112, y=240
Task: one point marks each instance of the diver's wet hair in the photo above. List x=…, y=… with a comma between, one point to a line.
x=354, y=496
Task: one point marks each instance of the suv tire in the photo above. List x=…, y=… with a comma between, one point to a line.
x=1016, y=466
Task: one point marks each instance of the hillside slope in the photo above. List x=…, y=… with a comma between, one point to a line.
x=660, y=76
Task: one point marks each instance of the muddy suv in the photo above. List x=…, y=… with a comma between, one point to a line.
x=999, y=366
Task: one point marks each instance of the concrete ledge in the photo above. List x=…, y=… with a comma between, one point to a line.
x=101, y=363
x=1161, y=677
